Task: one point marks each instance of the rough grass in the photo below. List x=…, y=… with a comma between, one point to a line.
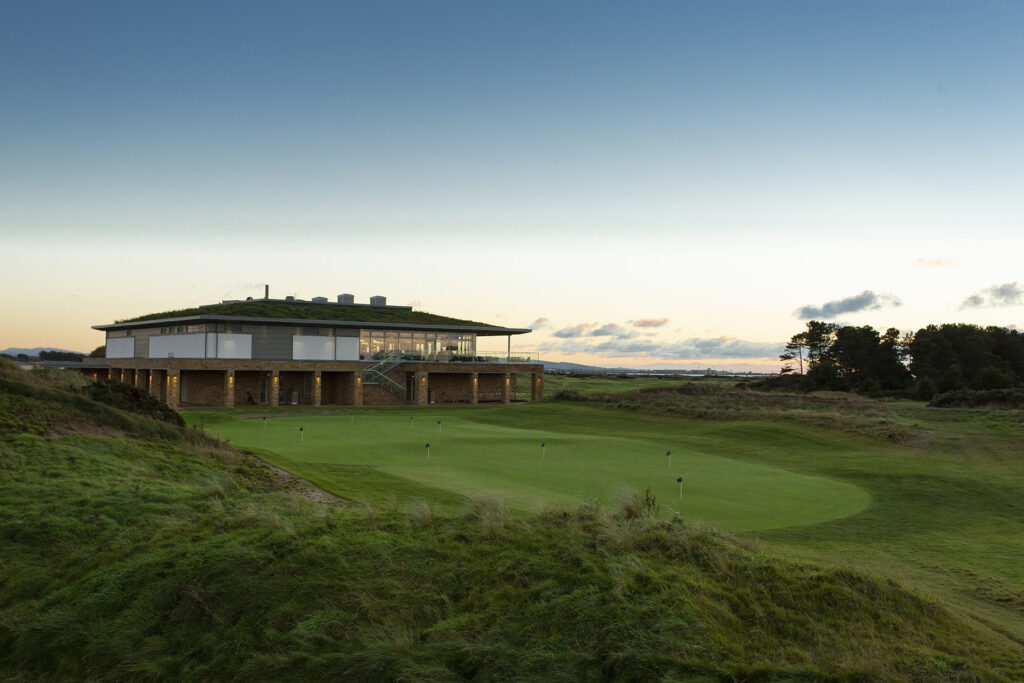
x=161, y=558
x=130, y=559
x=310, y=311
x=731, y=400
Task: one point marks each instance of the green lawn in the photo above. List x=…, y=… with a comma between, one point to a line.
x=375, y=453
x=931, y=498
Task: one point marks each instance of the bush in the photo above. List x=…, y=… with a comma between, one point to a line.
x=569, y=395
x=132, y=399
x=970, y=398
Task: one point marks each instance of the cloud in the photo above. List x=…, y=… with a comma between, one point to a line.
x=575, y=331
x=649, y=322
x=538, y=324
x=935, y=263
x=613, y=330
x=865, y=301
x=996, y=296
x=973, y=301
x=694, y=347
x=594, y=330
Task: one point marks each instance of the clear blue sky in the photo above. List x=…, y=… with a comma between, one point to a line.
x=718, y=165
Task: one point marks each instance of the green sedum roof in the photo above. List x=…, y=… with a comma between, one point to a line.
x=308, y=311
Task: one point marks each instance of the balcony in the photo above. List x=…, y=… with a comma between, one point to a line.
x=489, y=358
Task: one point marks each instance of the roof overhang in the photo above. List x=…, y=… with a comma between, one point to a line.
x=301, y=322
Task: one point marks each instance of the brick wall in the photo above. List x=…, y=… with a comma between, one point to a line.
x=338, y=388
x=203, y=387
x=451, y=387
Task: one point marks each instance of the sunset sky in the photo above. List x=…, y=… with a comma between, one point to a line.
x=645, y=184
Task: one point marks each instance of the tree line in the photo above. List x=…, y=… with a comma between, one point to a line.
x=935, y=359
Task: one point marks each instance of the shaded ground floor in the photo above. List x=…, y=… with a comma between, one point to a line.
x=222, y=383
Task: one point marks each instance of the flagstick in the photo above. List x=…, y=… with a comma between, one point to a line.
x=542, y=451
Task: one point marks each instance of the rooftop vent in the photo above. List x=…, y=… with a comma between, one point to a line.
x=319, y=299
x=378, y=300
x=289, y=298
x=346, y=299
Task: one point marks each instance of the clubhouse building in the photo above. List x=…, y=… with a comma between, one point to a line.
x=278, y=352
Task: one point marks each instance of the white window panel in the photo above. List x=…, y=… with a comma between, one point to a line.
x=178, y=346
x=121, y=348
x=312, y=348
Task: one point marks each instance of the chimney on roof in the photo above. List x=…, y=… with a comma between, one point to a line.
x=378, y=300
x=266, y=292
x=346, y=299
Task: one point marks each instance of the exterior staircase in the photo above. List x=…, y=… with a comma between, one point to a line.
x=377, y=374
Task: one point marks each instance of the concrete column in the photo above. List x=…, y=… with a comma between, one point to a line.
x=357, y=389
x=136, y=378
x=476, y=389
x=229, y=388
x=317, y=389
x=421, y=388
x=536, y=386
x=507, y=398
x=275, y=388
x=173, y=389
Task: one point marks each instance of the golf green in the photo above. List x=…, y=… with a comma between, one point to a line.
x=381, y=454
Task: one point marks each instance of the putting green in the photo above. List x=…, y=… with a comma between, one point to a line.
x=380, y=453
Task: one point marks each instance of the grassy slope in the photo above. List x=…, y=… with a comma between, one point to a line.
x=307, y=311
x=947, y=485
x=173, y=558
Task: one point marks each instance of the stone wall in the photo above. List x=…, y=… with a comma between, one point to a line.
x=202, y=387
x=450, y=387
x=338, y=388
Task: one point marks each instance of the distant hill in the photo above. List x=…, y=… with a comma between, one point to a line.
x=34, y=352
x=574, y=367
x=555, y=366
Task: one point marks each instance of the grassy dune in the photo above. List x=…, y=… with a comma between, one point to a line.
x=167, y=555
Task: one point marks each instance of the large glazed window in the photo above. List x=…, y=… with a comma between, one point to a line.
x=414, y=345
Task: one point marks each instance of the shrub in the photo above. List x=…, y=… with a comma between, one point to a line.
x=970, y=398
x=132, y=399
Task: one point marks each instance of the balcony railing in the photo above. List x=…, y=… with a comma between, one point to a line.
x=495, y=358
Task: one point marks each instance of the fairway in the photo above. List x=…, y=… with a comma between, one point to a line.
x=380, y=454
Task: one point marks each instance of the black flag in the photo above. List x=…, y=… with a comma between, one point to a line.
x=679, y=480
